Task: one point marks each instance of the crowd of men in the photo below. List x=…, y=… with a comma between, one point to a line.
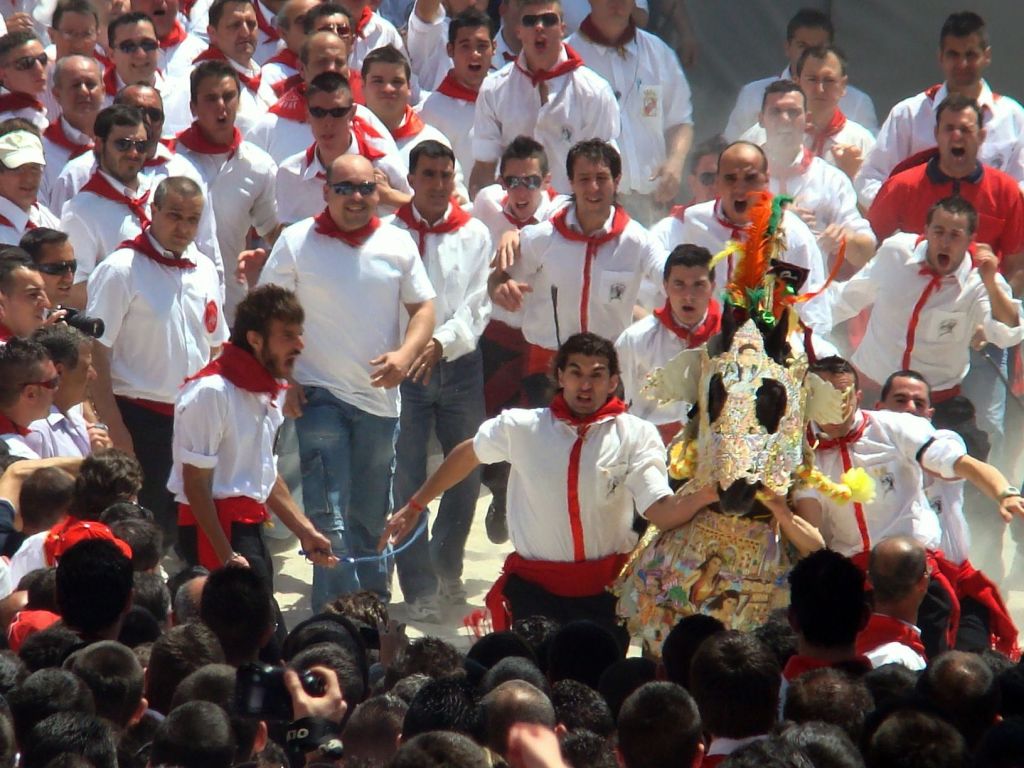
x=257, y=257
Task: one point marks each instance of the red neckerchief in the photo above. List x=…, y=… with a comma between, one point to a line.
x=933, y=284
x=619, y=221
x=679, y=211
x=363, y=132
x=265, y=26
x=56, y=134
x=411, y=125
x=310, y=157
x=11, y=102
x=243, y=370
x=110, y=86
x=693, y=337
x=835, y=125
x=454, y=221
x=589, y=28
x=798, y=665
x=560, y=410
x=827, y=443
x=8, y=223
x=193, y=138
x=574, y=62
x=287, y=57
x=355, y=84
x=8, y=427
x=6, y=334
x=99, y=185
x=806, y=157
x=453, y=89
x=882, y=629
x=508, y=56
x=364, y=18
x=252, y=82
x=142, y=244
x=175, y=36
x=292, y=104
x=281, y=87
x=324, y=224
x=158, y=159
x=735, y=230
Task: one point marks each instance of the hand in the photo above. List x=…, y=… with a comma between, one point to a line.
x=392, y=369
x=399, y=525
x=20, y=22
x=978, y=340
x=507, y=252
x=392, y=642
x=509, y=295
x=806, y=215
x=987, y=263
x=668, y=187
x=831, y=238
x=235, y=560
x=1010, y=507
x=99, y=437
x=57, y=316
x=779, y=507
x=424, y=363
x=318, y=549
x=250, y=264
x=331, y=706
x=533, y=746
x=848, y=158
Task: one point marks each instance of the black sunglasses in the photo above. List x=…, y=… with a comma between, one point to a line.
x=530, y=182
x=153, y=114
x=336, y=112
x=58, y=267
x=139, y=145
x=349, y=188
x=130, y=46
x=25, y=63
x=548, y=19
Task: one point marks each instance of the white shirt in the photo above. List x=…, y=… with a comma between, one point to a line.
x=581, y=105
x=458, y=264
x=177, y=60
x=354, y=306
x=29, y=557
x=242, y=191
x=856, y=105
x=653, y=96
x=910, y=128
x=547, y=259
x=575, y=11
x=227, y=429
x=892, y=285
x=947, y=499
x=645, y=345
x=60, y=434
x=454, y=119
x=17, y=445
x=281, y=138
x=251, y=105
x=35, y=116
x=430, y=133
x=175, y=94
x=161, y=322
x=273, y=72
x=428, y=48
x=852, y=133
x=266, y=45
x=888, y=450
x=377, y=33
x=38, y=215
x=57, y=158
x=896, y=653
x=621, y=463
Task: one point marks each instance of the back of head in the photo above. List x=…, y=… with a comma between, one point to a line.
x=186, y=591
x=237, y=606
x=94, y=586
x=582, y=650
x=830, y=696
x=827, y=601
x=778, y=635
x=78, y=733
x=45, y=497
x=12, y=672
x=114, y=676
x=439, y=750
x=432, y=656
x=512, y=702
x=492, y=648
x=683, y=641
x=374, y=729
x=45, y=693
x=659, y=725
x=145, y=539
x=896, y=566
x=195, y=735
x=215, y=683
x=826, y=745
x=329, y=628
x=538, y=632
x=448, y=704
x=622, y=678
x=8, y=743
x=735, y=680
x=514, y=668
x=578, y=708
x=911, y=739
x=768, y=753
x=584, y=749
x=963, y=690
x=890, y=685
x=175, y=655
x=344, y=664
x=104, y=478
x=47, y=648
x=151, y=593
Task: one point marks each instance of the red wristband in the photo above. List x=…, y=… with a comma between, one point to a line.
x=414, y=505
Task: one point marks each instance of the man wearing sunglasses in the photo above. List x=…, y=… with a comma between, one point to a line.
x=28, y=379
x=21, y=172
x=357, y=279
x=178, y=47
x=547, y=93
x=371, y=30
x=54, y=259
x=23, y=70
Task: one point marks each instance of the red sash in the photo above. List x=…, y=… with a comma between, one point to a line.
x=264, y=24
x=287, y=57
x=8, y=427
x=194, y=139
x=412, y=125
x=798, y=665
x=11, y=102
x=142, y=244
x=882, y=629
x=252, y=82
x=99, y=185
x=364, y=18
x=175, y=36
x=236, y=509
x=835, y=124
x=243, y=370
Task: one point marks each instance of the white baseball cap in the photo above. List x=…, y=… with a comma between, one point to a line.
x=20, y=147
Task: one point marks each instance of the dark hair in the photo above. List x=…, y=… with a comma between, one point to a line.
x=8, y=743
x=94, y=585
x=682, y=643
x=117, y=116
x=963, y=689
x=45, y=497
x=767, y=753
x=217, y=9
x=215, y=683
x=538, y=632
x=125, y=510
x=105, y=477
x=184, y=606
x=820, y=53
x=439, y=750
x=827, y=600
x=512, y=702
x=12, y=258
x=711, y=146
x=114, y=676
x=214, y=68
x=826, y=745
x=34, y=240
x=48, y=648
x=62, y=343
x=13, y=40
x=1002, y=745
x=591, y=345
x=809, y=18
x=835, y=366
x=373, y=729
x=175, y=655
x=905, y=373
x=957, y=206
x=181, y=186
x=957, y=102
x=622, y=678
x=260, y=308
x=83, y=7
x=12, y=672
x=196, y=734
x=780, y=87
x=386, y=54
x=151, y=594
x=20, y=363
x=492, y=648
x=735, y=680
x=79, y=733
x=345, y=665
x=329, y=628
x=432, y=656
x=583, y=749
x=831, y=696
x=596, y=151
x=582, y=650
x=443, y=704
x=659, y=725
x=432, y=149
x=124, y=20
x=891, y=685
x=916, y=740
x=963, y=24
x=470, y=18
x=580, y=708
x=238, y=606
x=514, y=668
x=146, y=541
x=319, y=11
x=44, y=693
x=689, y=255
x=327, y=82
x=524, y=148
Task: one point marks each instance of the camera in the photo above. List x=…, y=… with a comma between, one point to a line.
x=90, y=326
x=260, y=691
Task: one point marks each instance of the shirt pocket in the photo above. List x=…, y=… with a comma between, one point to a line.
x=616, y=287
x=947, y=327
x=611, y=478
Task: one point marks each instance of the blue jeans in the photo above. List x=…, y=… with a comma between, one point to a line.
x=348, y=458
x=986, y=390
x=452, y=404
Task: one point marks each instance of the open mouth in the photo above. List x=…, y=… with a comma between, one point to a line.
x=740, y=206
x=943, y=260
x=958, y=151
x=475, y=67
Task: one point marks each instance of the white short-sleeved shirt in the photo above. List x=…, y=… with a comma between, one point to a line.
x=653, y=96
x=60, y=434
x=608, y=293
x=892, y=284
x=645, y=345
x=893, y=449
x=947, y=499
x=281, y=137
x=910, y=128
x=851, y=134
x=354, y=306
x=454, y=119
x=176, y=60
x=621, y=464
x=377, y=33
x=15, y=222
x=227, y=429
x=161, y=322
x=57, y=156
x=580, y=105
x=29, y=557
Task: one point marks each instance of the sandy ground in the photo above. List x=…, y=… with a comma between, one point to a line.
x=482, y=564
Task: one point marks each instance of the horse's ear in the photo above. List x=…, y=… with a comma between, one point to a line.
x=722, y=341
x=775, y=344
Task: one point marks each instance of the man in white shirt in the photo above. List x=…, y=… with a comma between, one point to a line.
x=431, y=42
x=269, y=41
x=823, y=196
x=355, y=278
x=964, y=55
x=21, y=172
x=150, y=344
x=291, y=22
x=178, y=47
x=808, y=28
x=239, y=175
x=28, y=380
x=74, y=31
x=23, y=67
x=444, y=392
x=654, y=104
x=78, y=89
x=547, y=94
x=371, y=30
x=54, y=259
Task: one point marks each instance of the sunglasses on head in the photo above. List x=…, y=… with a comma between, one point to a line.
x=707, y=178
x=58, y=268
x=25, y=63
x=549, y=19
x=336, y=112
x=130, y=46
x=529, y=182
x=349, y=188
x=139, y=145
x=51, y=384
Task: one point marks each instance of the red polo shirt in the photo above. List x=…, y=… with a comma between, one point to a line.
x=903, y=201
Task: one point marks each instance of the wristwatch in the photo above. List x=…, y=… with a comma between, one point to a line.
x=1011, y=490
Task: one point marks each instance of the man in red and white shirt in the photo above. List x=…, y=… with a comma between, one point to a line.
x=430, y=41
x=150, y=344
x=26, y=394
x=964, y=55
x=226, y=418
x=356, y=278
x=240, y=176
x=78, y=88
x=21, y=172
x=291, y=23
x=178, y=47
x=547, y=94
x=337, y=131
x=23, y=70
x=371, y=31
x=451, y=107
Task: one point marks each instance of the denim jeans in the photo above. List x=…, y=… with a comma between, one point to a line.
x=347, y=458
x=986, y=390
x=452, y=404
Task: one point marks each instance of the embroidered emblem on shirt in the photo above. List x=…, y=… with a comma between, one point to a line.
x=650, y=102
x=567, y=135
x=616, y=291
x=210, y=316
x=888, y=483
x=946, y=327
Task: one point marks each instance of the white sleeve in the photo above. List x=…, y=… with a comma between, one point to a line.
x=942, y=453
x=625, y=346
x=847, y=299
x=200, y=418
x=264, y=206
x=110, y=295
x=428, y=49
x=487, y=145
x=744, y=113
x=83, y=241
x=461, y=332
x=416, y=286
x=647, y=479
x=997, y=333
x=493, y=440
x=892, y=145
x=281, y=268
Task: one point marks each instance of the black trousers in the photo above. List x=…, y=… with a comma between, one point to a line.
x=152, y=433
